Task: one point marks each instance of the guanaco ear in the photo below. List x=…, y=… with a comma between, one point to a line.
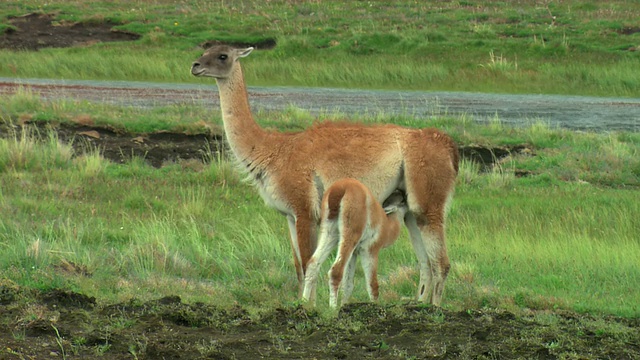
x=244, y=52
x=390, y=209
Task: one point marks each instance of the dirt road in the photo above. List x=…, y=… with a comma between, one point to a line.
x=572, y=112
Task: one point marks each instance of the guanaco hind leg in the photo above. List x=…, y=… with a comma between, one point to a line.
x=424, y=287
x=348, y=278
x=433, y=238
x=351, y=234
x=430, y=180
x=369, y=261
x=429, y=245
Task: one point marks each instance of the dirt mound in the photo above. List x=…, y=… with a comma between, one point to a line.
x=35, y=31
x=57, y=323
x=157, y=149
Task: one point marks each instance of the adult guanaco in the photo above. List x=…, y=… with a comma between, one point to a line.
x=292, y=170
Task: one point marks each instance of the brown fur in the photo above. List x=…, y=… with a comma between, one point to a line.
x=291, y=171
x=353, y=220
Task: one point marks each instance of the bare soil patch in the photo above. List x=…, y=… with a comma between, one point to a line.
x=157, y=149
x=62, y=324
x=35, y=31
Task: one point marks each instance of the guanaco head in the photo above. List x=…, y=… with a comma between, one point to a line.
x=217, y=61
x=395, y=203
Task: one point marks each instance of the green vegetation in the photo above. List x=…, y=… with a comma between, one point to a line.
x=569, y=47
x=565, y=236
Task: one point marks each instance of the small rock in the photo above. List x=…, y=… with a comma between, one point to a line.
x=91, y=133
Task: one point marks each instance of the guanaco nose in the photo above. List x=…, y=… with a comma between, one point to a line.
x=195, y=68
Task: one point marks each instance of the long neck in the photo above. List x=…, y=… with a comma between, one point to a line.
x=243, y=133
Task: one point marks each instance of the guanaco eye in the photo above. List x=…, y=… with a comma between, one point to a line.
x=222, y=57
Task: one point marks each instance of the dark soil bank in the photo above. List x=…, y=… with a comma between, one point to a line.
x=61, y=324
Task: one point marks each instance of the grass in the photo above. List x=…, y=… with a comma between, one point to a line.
x=607, y=159
x=568, y=47
x=557, y=247
x=564, y=237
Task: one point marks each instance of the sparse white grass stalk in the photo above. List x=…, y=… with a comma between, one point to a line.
x=90, y=164
x=483, y=29
x=223, y=171
x=239, y=254
x=539, y=129
x=539, y=41
x=499, y=63
x=617, y=149
x=156, y=248
x=16, y=152
x=257, y=243
x=502, y=174
x=495, y=123
x=618, y=76
x=120, y=65
x=194, y=201
x=468, y=172
x=22, y=98
x=24, y=152
x=60, y=153
x=342, y=73
x=297, y=113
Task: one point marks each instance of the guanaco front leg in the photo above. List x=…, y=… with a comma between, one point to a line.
x=303, y=242
x=326, y=243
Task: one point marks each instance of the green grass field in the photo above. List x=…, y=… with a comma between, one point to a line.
x=563, y=237
x=566, y=47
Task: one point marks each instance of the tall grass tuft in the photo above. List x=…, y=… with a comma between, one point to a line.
x=28, y=149
x=499, y=63
x=468, y=172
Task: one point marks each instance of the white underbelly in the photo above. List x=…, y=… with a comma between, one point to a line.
x=269, y=194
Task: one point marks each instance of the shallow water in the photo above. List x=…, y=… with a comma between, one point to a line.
x=598, y=114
